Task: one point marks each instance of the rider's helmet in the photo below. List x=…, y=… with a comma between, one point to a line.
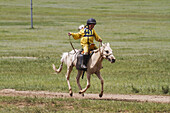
x=91, y=21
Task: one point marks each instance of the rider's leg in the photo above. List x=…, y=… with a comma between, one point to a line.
x=85, y=57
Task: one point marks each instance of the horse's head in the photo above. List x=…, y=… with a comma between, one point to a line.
x=107, y=53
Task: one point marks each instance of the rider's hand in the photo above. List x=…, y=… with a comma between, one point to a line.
x=100, y=40
x=69, y=34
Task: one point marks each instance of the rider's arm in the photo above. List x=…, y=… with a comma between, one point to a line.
x=78, y=35
x=97, y=37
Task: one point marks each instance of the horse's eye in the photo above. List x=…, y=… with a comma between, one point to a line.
x=107, y=52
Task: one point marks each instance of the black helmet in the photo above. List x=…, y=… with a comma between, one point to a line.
x=91, y=21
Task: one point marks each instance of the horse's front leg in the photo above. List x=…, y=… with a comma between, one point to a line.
x=78, y=79
x=88, y=85
x=102, y=82
x=69, y=69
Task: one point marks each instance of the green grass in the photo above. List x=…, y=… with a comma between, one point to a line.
x=62, y=105
x=138, y=32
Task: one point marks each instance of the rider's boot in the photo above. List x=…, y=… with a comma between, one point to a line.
x=85, y=61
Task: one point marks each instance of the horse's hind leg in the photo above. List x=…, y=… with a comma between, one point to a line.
x=78, y=80
x=102, y=82
x=69, y=69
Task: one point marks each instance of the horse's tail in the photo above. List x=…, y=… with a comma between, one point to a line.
x=63, y=59
x=59, y=69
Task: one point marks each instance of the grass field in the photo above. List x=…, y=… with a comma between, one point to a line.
x=138, y=31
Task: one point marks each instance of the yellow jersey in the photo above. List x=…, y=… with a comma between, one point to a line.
x=87, y=36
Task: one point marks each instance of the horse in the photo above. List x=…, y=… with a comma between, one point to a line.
x=93, y=67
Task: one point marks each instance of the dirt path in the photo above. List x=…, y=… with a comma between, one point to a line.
x=118, y=97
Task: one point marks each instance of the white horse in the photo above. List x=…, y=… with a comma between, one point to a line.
x=94, y=65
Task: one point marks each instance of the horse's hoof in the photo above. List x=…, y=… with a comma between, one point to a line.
x=82, y=95
x=71, y=94
x=80, y=92
x=100, y=95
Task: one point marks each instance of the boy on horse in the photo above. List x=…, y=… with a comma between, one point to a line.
x=87, y=35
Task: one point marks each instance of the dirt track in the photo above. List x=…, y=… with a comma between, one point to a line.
x=117, y=97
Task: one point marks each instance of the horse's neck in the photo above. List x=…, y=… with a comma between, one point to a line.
x=96, y=58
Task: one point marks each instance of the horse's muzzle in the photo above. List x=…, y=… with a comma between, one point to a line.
x=113, y=60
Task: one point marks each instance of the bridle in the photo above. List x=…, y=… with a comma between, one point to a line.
x=106, y=54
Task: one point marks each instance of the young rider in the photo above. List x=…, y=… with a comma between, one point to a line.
x=87, y=35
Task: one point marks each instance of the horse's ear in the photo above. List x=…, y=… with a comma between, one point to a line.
x=108, y=44
x=102, y=44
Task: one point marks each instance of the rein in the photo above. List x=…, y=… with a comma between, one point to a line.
x=100, y=44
